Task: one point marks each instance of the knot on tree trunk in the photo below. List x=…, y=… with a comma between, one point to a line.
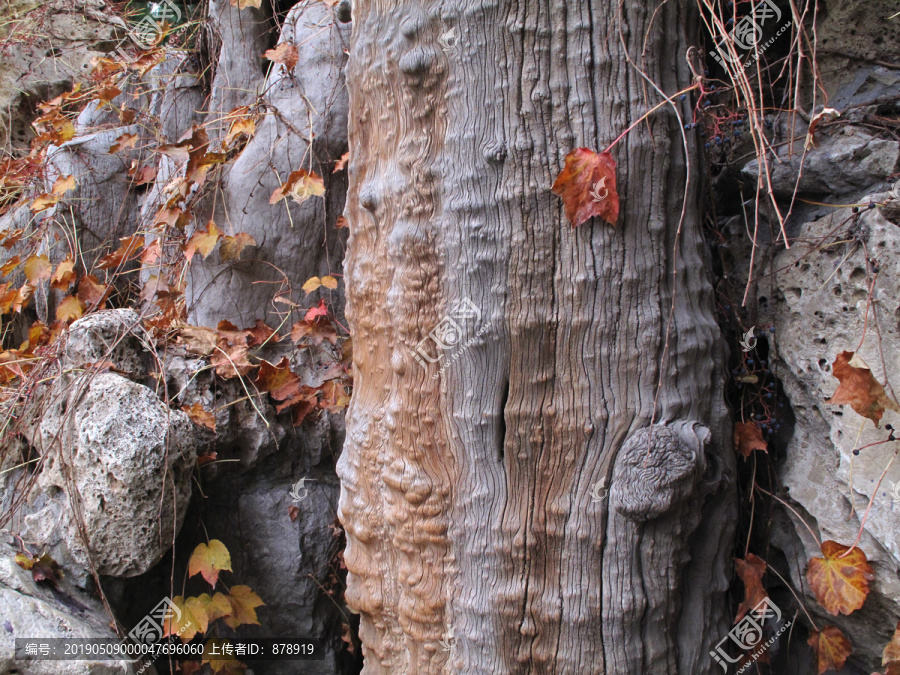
x=657, y=468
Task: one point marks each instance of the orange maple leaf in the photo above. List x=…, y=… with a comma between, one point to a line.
x=859, y=388
x=841, y=584
x=209, y=560
x=831, y=648
x=587, y=186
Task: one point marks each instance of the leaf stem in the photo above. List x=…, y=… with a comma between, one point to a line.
x=647, y=114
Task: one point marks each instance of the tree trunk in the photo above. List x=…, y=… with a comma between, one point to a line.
x=508, y=367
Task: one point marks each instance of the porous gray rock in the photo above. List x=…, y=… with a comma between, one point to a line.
x=822, y=302
x=125, y=459
x=114, y=336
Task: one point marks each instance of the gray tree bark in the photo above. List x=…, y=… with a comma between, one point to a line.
x=480, y=535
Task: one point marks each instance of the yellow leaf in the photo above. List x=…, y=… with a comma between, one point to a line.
x=37, y=268
x=217, y=652
x=192, y=619
x=232, y=247
x=244, y=4
x=286, y=54
x=63, y=184
x=209, y=561
x=300, y=186
x=311, y=284
x=44, y=202
x=70, y=309
x=240, y=126
x=64, y=275
x=10, y=265
x=329, y=282
x=203, y=240
x=243, y=606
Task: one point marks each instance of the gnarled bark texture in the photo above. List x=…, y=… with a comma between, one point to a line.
x=479, y=539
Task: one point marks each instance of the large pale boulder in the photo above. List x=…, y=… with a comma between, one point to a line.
x=124, y=461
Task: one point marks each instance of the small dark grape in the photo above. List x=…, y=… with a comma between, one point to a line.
x=856, y=452
x=871, y=205
x=855, y=209
x=772, y=329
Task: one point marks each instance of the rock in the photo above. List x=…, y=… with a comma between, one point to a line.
x=119, y=444
x=845, y=162
x=310, y=102
x=30, y=610
x=113, y=335
x=821, y=306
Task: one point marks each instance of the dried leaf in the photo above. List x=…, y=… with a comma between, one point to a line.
x=277, y=380
x=44, y=202
x=891, y=653
x=243, y=606
x=42, y=568
x=63, y=184
x=314, y=333
x=341, y=223
x=107, y=93
x=202, y=240
x=261, y=334
x=750, y=570
x=300, y=186
x=91, y=292
x=64, y=276
x=587, y=186
x=830, y=647
x=123, y=142
x=37, y=268
x=341, y=163
x=128, y=248
x=840, y=584
x=10, y=265
x=243, y=126
x=200, y=416
x=70, y=309
x=243, y=4
x=231, y=248
x=285, y=53
x=859, y=388
x=209, y=560
x=747, y=438
x=217, y=652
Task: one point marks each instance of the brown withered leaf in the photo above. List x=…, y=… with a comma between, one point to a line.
x=202, y=240
x=587, y=186
x=891, y=653
x=859, y=389
x=64, y=276
x=37, y=268
x=751, y=570
x=293, y=512
x=260, y=333
x=841, y=584
x=91, y=292
x=299, y=186
x=44, y=202
x=123, y=142
x=10, y=265
x=277, y=379
x=63, y=184
x=200, y=416
x=341, y=163
x=70, y=309
x=285, y=53
x=128, y=249
x=747, y=438
x=231, y=248
x=831, y=648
